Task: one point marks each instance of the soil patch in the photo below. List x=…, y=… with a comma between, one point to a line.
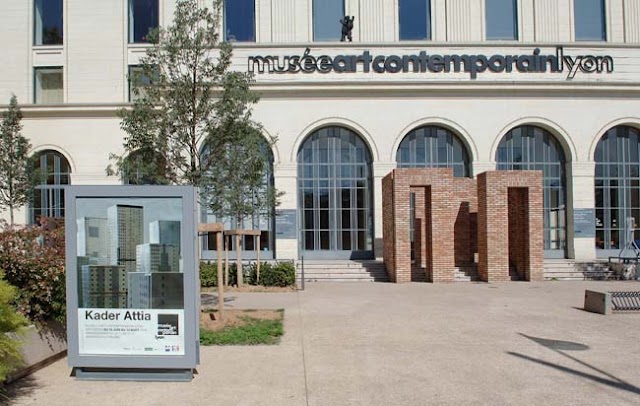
x=210, y=320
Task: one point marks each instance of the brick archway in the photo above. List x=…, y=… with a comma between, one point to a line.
x=498, y=217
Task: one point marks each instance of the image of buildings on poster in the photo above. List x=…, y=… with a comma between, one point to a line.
x=117, y=269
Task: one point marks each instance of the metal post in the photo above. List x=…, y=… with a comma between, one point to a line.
x=302, y=272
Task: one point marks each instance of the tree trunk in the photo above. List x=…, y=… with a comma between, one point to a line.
x=239, y=260
x=258, y=261
x=220, y=281
x=227, y=243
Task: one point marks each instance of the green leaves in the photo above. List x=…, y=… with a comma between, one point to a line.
x=33, y=260
x=15, y=166
x=10, y=322
x=190, y=102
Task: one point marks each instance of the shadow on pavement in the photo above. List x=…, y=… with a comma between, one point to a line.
x=614, y=383
x=559, y=346
x=211, y=299
x=17, y=389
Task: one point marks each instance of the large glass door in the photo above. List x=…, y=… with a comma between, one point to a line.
x=617, y=189
x=335, y=196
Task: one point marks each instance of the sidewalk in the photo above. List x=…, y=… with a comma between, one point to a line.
x=415, y=344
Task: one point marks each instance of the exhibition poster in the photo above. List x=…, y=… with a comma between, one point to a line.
x=130, y=276
x=130, y=332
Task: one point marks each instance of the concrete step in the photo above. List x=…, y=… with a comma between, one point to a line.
x=342, y=271
x=569, y=269
x=343, y=280
x=579, y=276
x=341, y=265
x=466, y=273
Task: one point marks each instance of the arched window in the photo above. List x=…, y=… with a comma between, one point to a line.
x=433, y=147
x=617, y=187
x=263, y=220
x=335, y=195
x=53, y=171
x=533, y=148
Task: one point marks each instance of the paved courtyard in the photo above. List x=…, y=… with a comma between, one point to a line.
x=414, y=344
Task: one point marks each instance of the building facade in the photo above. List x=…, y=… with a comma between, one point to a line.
x=474, y=85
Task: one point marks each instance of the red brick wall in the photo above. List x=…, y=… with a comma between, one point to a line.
x=499, y=217
x=388, y=226
x=465, y=193
x=494, y=221
x=421, y=267
x=436, y=212
x=518, y=213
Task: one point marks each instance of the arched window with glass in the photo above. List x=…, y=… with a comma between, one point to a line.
x=335, y=195
x=433, y=147
x=260, y=219
x=617, y=188
x=533, y=148
x=54, y=172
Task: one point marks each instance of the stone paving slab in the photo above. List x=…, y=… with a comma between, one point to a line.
x=414, y=344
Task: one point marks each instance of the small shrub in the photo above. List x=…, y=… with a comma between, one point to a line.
x=252, y=278
x=208, y=275
x=10, y=322
x=233, y=274
x=33, y=259
x=281, y=274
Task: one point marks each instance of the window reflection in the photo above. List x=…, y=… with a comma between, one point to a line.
x=48, y=25
x=589, y=18
x=143, y=16
x=414, y=19
x=617, y=192
x=340, y=195
x=53, y=170
x=326, y=19
x=433, y=147
x=533, y=148
x=501, y=19
x=239, y=20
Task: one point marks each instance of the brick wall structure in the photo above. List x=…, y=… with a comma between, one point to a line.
x=454, y=219
x=510, y=225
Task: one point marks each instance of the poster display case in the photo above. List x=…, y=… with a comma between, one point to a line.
x=132, y=282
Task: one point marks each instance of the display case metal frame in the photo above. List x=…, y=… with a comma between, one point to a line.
x=136, y=367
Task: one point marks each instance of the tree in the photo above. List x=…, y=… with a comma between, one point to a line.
x=15, y=165
x=186, y=98
x=174, y=109
x=237, y=157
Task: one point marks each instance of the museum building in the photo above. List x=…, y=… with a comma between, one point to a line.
x=470, y=85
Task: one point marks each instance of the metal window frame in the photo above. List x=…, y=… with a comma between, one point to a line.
x=552, y=147
x=620, y=136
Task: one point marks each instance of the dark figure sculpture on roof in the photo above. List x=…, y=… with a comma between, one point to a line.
x=347, y=27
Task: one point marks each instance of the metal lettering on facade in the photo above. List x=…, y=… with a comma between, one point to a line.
x=423, y=63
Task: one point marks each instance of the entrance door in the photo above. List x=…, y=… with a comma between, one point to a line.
x=335, y=196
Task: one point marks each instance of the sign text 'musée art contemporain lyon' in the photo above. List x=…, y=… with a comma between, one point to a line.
x=423, y=62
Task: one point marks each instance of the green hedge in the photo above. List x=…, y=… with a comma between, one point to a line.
x=281, y=274
x=271, y=274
